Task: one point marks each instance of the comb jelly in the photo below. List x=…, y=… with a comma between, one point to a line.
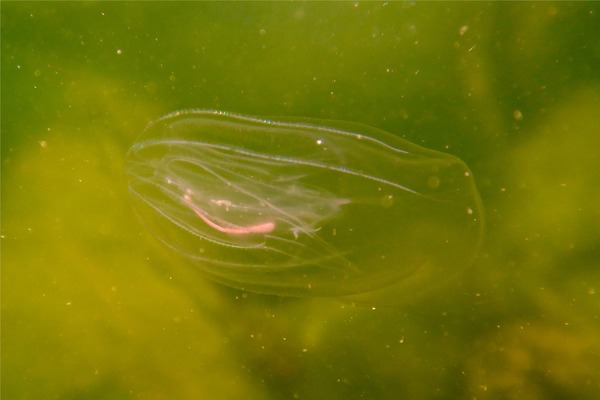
x=305, y=207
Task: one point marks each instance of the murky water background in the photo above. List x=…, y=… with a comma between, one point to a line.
x=94, y=307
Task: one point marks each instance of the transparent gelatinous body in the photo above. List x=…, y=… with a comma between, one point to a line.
x=301, y=207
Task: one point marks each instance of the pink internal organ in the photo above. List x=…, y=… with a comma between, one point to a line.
x=265, y=227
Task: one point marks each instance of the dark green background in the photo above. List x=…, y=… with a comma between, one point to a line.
x=93, y=308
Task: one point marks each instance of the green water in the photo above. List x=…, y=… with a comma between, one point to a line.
x=94, y=307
